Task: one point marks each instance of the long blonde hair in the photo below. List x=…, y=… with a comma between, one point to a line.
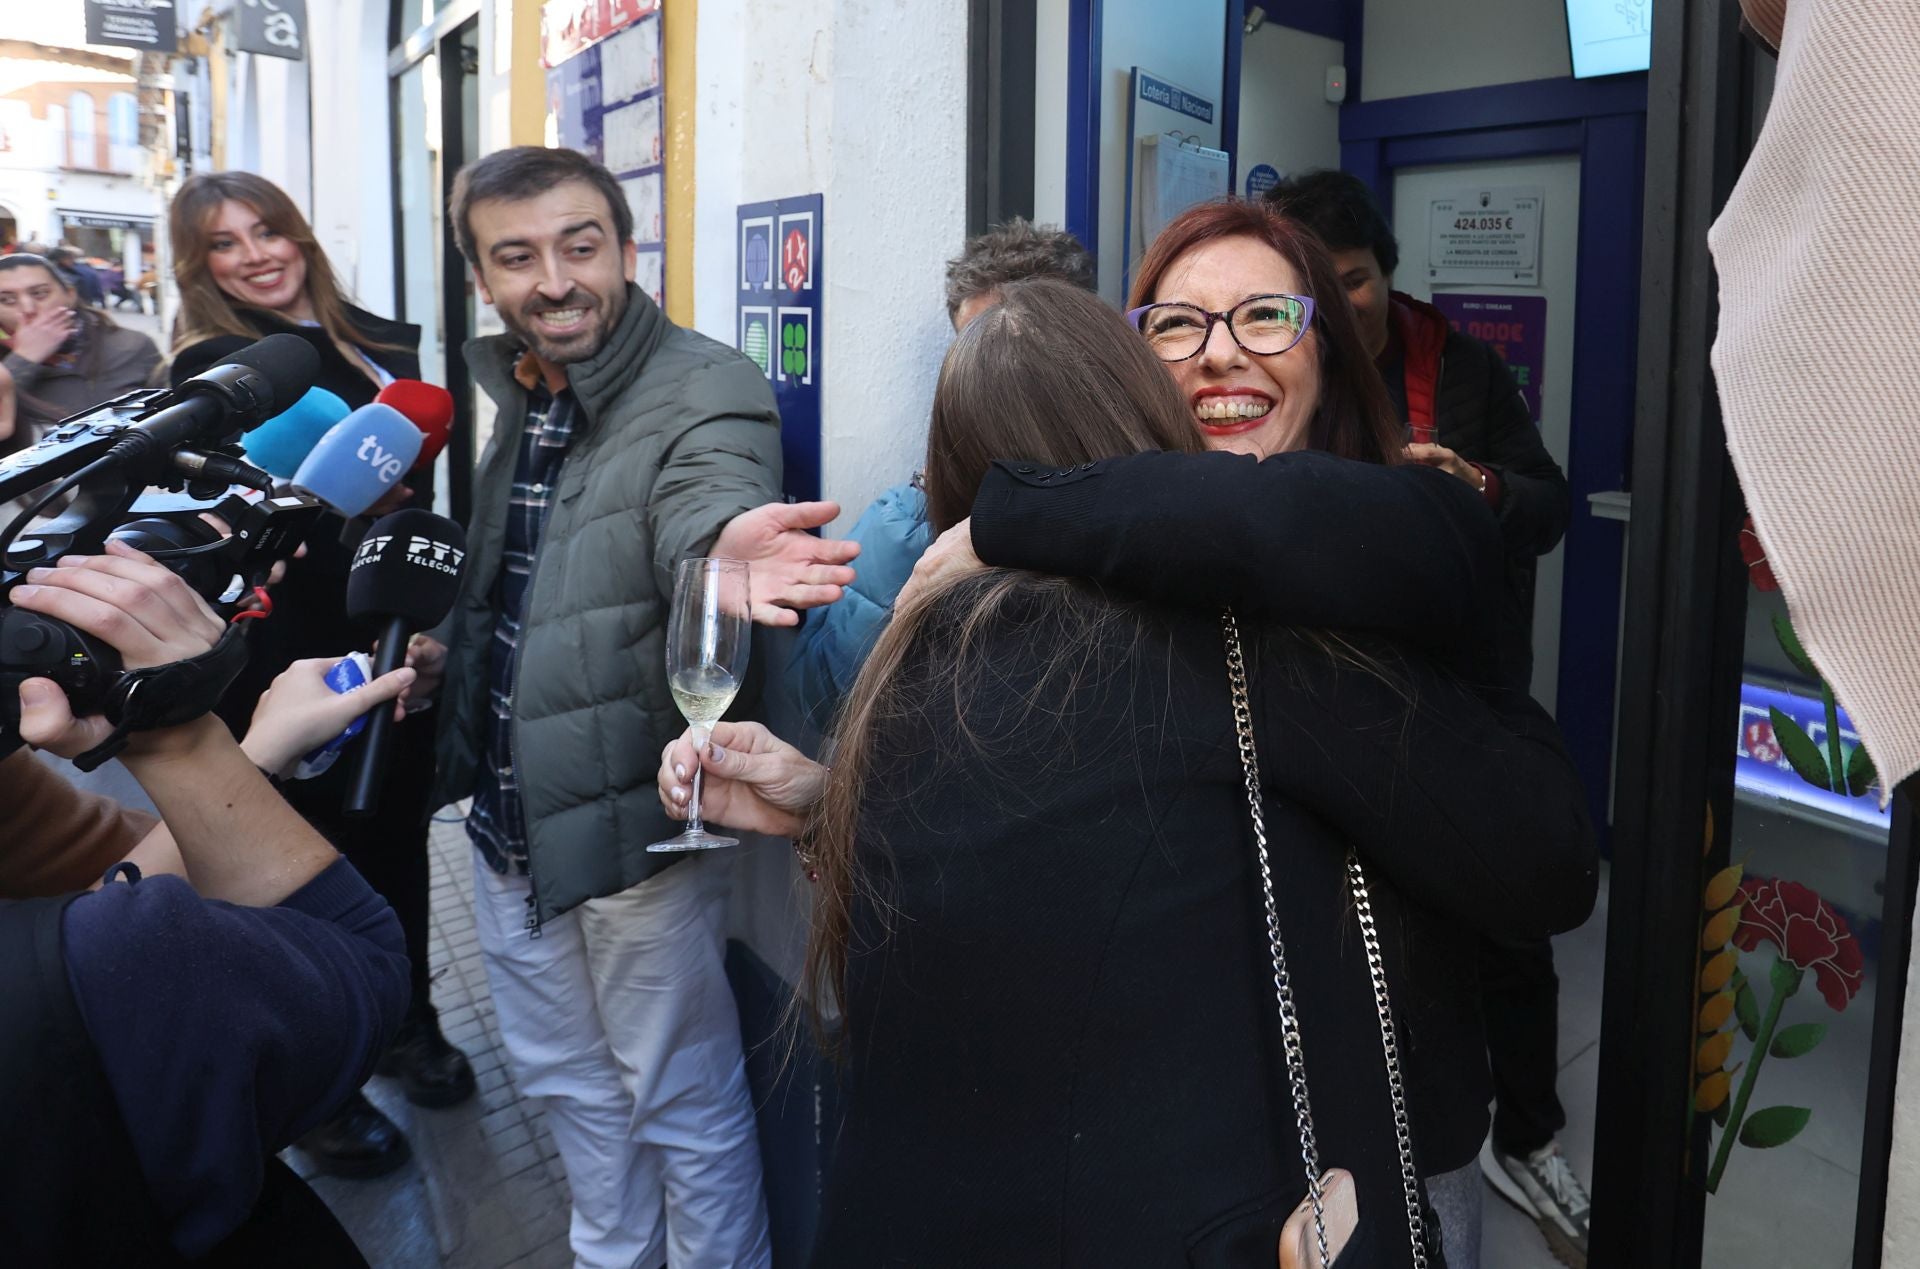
x=206, y=310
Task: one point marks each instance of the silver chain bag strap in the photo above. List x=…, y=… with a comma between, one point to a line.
x=1283, y=984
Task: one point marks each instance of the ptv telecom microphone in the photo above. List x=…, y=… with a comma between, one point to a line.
x=359, y=459
x=283, y=441
x=404, y=576
x=428, y=407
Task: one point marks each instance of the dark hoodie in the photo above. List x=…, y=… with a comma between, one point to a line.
x=1454, y=390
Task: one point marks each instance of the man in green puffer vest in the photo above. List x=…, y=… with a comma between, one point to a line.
x=623, y=445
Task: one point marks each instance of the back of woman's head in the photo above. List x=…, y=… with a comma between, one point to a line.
x=1051, y=374
x=1354, y=416
x=206, y=310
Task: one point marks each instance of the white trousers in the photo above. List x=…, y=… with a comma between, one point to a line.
x=619, y=1019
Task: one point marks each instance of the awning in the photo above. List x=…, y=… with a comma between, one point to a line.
x=104, y=220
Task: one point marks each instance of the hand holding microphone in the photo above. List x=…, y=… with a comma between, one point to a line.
x=305, y=713
x=405, y=576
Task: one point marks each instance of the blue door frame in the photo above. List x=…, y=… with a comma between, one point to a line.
x=1604, y=123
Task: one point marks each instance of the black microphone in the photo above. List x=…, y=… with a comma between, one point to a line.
x=239, y=394
x=405, y=576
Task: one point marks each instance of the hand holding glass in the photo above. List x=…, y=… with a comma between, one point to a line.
x=708, y=637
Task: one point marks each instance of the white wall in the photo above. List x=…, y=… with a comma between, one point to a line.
x=1431, y=46
x=1286, y=120
x=863, y=101
x=267, y=114
x=352, y=202
x=1050, y=114
x=1182, y=43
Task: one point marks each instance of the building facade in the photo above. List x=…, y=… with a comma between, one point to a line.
x=73, y=164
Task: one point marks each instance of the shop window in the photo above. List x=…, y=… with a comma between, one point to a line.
x=82, y=150
x=123, y=132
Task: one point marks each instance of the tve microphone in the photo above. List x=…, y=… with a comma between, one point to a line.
x=283, y=441
x=428, y=407
x=238, y=394
x=359, y=459
x=405, y=576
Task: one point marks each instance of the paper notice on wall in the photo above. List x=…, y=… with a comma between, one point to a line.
x=644, y=197
x=605, y=100
x=1514, y=326
x=1489, y=235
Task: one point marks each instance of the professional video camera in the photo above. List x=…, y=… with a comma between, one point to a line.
x=106, y=458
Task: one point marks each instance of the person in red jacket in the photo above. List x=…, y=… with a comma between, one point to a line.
x=1465, y=415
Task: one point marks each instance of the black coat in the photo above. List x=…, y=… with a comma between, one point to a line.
x=1408, y=553
x=1064, y=1045
x=1480, y=414
x=309, y=616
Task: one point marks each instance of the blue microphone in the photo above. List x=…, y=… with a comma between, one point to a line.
x=360, y=458
x=284, y=440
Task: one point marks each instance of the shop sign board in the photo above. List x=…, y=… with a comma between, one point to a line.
x=779, y=323
x=1516, y=326
x=105, y=220
x=1489, y=235
x=568, y=27
x=274, y=28
x=148, y=25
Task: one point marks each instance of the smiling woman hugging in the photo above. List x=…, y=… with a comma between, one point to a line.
x=1245, y=310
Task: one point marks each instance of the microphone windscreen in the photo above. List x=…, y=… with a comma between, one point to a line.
x=359, y=459
x=429, y=407
x=288, y=362
x=283, y=442
x=407, y=566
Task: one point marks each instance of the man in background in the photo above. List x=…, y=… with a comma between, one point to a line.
x=1465, y=415
x=893, y=532
x=625, y=445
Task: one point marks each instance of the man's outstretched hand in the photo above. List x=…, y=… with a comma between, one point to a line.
x=789, y=569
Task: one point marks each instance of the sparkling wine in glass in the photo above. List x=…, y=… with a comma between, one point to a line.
x=708, y=636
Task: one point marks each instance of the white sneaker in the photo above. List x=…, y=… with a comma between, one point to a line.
x=1543, y=1186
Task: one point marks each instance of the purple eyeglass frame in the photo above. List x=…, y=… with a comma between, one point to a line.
x=1136, y=315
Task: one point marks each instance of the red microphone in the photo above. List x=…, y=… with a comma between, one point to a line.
x=429, y=408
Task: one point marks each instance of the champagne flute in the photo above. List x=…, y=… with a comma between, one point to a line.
x=708, y=636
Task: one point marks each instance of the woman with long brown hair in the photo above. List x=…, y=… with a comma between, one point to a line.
x=248, y=265
x=1040, y=908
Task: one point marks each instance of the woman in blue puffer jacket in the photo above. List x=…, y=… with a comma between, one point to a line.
x=893, y=534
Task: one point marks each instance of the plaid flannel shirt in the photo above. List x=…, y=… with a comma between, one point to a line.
x=497, y=823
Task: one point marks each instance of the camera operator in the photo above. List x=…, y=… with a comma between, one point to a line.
x=222, y=991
